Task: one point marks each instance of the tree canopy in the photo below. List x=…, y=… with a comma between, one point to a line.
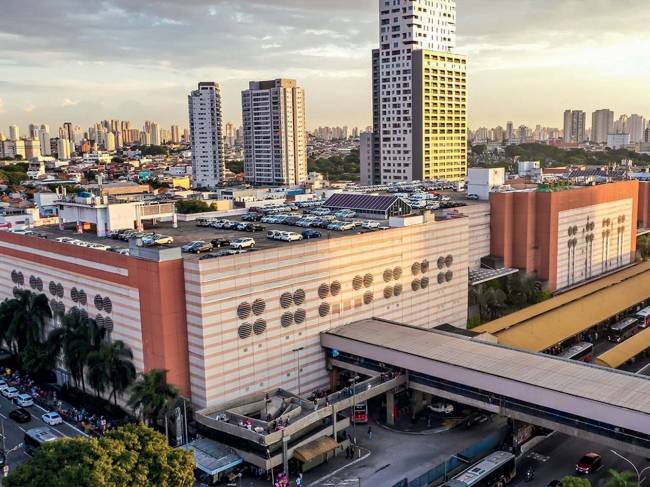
x=131, y=456
x=551, y=156
x=338, y=168
x=186, y=207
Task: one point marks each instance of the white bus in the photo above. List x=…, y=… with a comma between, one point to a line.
x=496, y=470
x=35, y=437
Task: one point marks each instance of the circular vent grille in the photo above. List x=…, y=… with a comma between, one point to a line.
x=59, y=290
x=287, y=319
x=74, y=295
x=300, y=316
x=397, y=273
x=39, y=284
x=108, y=324
x=32, y=282
x=14, y=277
x=259, y=327
x=357, y=282
x=415, y=285
x=108, y=304
x=388, y=292
x=83, y=299
x=323, y=291
x=52, y=288
x=449, y=261
x=324, y=309
x=258, y=307
x=368, y=279
x=424, y=282
x=388, y=275
x=397, y=291
x=99, y=302
x=368, y=297
x=449, y=276
x=286, y=300
x=243, y=310
x=335, y=288
x=415, y=268
x=245, y=331
x=99, y=319
x=299, y=297
x=441, y=278
x=441, y=262
x=424, y=266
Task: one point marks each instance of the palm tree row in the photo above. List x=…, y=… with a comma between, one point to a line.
x=82, y=347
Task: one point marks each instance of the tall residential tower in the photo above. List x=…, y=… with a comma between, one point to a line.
x=419, y=93
x=602, y=124
x=208, y=166
x=275, y=137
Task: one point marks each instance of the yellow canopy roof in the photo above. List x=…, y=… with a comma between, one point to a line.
x=630, y=348
x=311, y=450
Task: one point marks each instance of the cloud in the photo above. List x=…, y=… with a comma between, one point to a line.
x=29, y=108
x=67, y=102
x=2, y=106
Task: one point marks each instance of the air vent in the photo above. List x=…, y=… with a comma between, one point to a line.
x=368, y=279
x=99, y=319
x=324, y=310
x=415, y=268
x=245, y=331
x=388, y=275
x=323, y=290
x=299, y=297
x=108, y=324
x=441, y=278
x=99, y=302
x=287, y=319
x=424, y=282
x=335, y=288
x=243, y=310
x=424, y=266
x=259, y=326
x=388, y=292
x=84, y=314
x=74, y=295
x=108, y=304
x=39, y=284
x=441, y=263
x=415, y=285
x=259, y=305
x=398, y=289
x=52, y=288
x=449, y=276
x=285, y=300
x=32, y=282
x=83, y=299
x=59, y=290
x=449, y=261
x=397, y=273
x=299, y=316
x=368, y=297
x=357, y=283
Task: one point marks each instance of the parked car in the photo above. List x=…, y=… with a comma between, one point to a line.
x=218, y=243
x=308, y=234
x=10, y=392
x=589, y=463
x=197, y=247
x=3, y=385
x=243, y=243
x=203, y=222
x=346, y=226
x=370, y=224
x=123, y=251
x=254, y=227
x=273, y=234
x=158, y=240
x=52, y=418
x=472, y=197
x=20, y=415
x=64, y=240
x=554, y=483
x=98, y=246
x=24, y=400
x=441, y=407
x=293, y=237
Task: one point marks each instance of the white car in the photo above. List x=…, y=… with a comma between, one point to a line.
x=370, y=224
x=24, y=400
x=97, y=246
x=80, y=243
x=243, y=243
x=10, y=392
x=441, y=407
x=293, y=237
x=52, y=418
x=124, y=252
x=64, y=240
x=346, y=226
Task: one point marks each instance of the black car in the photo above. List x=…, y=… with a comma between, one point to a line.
x=20, y=415
x=218, y=243
x=252, y=227
x=251, y=217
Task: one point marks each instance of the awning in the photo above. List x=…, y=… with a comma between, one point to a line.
x=311, y=450
x=212, y=457
x=630, y=348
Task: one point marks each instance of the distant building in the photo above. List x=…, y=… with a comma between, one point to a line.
x=275, y=137
x=208, y=166
x=14, y=132
x=575, y=126
x=32, y=148
x=63, y=149
x=636, y=125
x=602, y=124
x=616, y=141
x=365, y=157
x=176, y=135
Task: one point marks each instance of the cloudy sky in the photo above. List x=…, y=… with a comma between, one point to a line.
x=86, y=60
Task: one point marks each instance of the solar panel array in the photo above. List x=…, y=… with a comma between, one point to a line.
x=360, y=202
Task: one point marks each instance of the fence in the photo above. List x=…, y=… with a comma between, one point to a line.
x=474, y=452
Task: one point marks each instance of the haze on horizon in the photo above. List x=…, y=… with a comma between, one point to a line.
x=83, y=61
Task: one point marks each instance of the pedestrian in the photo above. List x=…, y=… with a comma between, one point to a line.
x=299, y=480
x=370, y=432
x=315, y=404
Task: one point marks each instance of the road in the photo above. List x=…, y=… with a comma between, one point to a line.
x=14, y=432
x=556, y=457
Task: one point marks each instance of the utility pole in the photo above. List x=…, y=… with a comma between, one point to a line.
x=187, y=433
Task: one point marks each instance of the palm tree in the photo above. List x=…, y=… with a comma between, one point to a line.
x=111, y=365
x=23, y=320
x=489, y=300
x=621, y=479
x=152, y=397
x=76, y=338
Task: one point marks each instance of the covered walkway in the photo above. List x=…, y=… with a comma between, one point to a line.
x=625, y=351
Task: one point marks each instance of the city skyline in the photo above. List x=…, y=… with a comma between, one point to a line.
x=513, y=74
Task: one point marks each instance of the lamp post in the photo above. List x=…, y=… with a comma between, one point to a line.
x=298, y=350
x=354, y=406
x=639, y=473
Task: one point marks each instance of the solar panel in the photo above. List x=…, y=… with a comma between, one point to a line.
x=360, y=202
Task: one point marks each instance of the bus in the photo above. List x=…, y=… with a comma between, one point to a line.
x=495, y=470
x=644, y=317
x=361, y=413
x=35, y=437
x=621, y=331
x=583, y=351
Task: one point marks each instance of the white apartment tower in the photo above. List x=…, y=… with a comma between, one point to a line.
x=14, y=132
x=208, y=166
x=275, y=137
x=411, y=29
x=602, y=124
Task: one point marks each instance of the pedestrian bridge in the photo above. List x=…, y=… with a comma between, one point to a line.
x=583, y=400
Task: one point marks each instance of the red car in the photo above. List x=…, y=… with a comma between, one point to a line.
x=589, y=463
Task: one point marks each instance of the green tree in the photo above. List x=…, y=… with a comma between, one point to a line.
x=620, y=479
x=643, y=246
x=187, y=207
x=575, y=482
x=111, y=365
x=152, y=397
x=23, y=320
x=490, y=300
x=236, y=167
x=131, y=456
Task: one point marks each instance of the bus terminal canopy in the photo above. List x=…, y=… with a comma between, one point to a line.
x=550, y=323
x=627, y=350
x=313, y=449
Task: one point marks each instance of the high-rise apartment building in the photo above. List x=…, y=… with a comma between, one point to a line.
x=602, y=124
x=176, y=134
x=14, y=132
x=208, y=166
x=575, y=126
x=229, y=134
x=156, y=136
x=621, y=125
x=422, y=92
x=275, y=136
x=365, y=158
x=636, y=125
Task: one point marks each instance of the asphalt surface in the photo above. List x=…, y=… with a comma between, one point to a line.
x=15, y=432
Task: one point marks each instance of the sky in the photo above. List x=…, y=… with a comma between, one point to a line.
x=89, y=60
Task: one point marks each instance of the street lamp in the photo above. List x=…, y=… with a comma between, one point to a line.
x=354, y=406
x=639, y=473
x=298, y=350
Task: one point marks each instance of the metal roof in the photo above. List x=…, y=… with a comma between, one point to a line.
x=353, y=201
x=212, y=457
x=630, y=348
x=575, y=378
